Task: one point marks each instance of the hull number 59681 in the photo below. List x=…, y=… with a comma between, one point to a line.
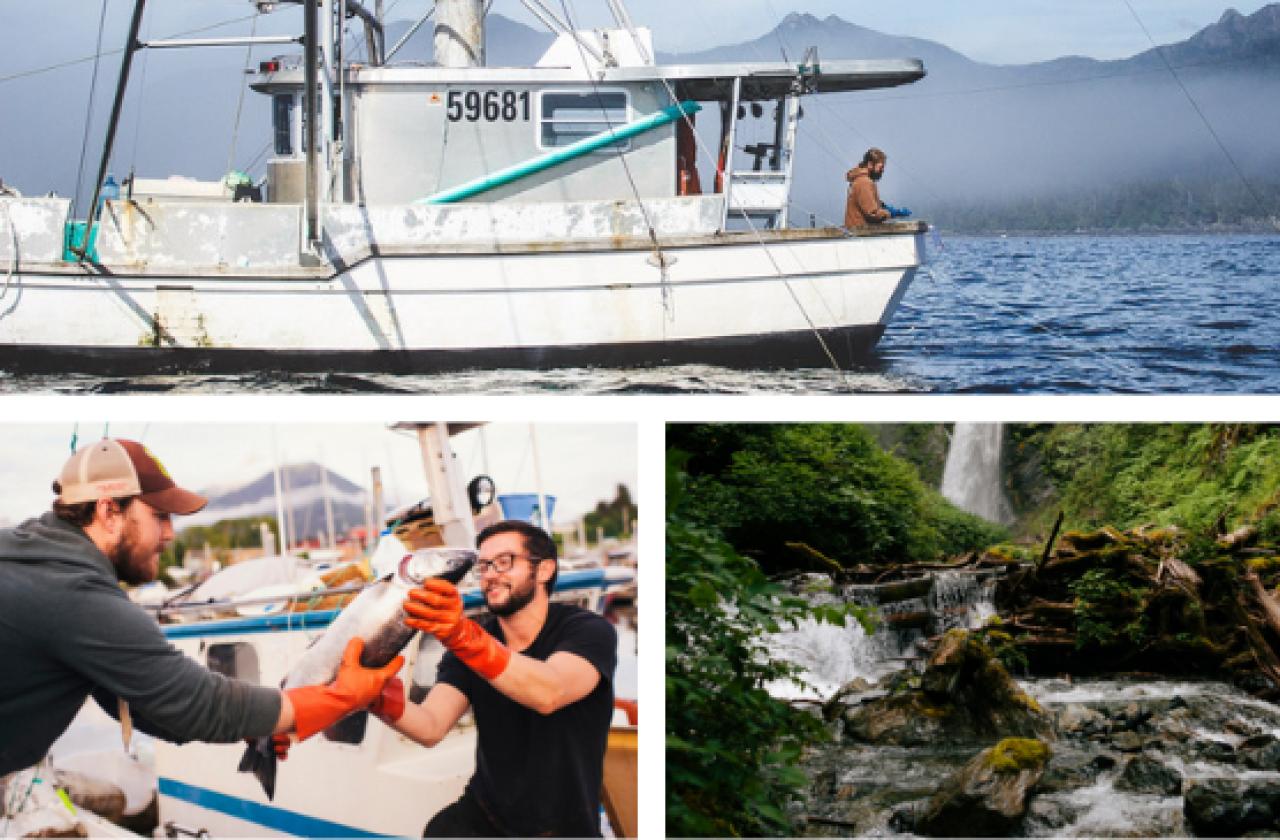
x=488, y=105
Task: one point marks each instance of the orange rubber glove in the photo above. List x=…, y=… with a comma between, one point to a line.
x=317, y=707
x=436, y=608
x=390, y=703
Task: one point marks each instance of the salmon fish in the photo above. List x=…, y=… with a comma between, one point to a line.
x=376, y=615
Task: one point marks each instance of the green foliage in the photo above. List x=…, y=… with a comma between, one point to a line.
x=732, y=749
x=1197, y=477
x=612, y=518
x=829, y=486
x=226, y=534
x=1003, y=647
x=1108, y=611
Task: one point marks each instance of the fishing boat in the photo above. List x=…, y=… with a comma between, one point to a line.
x=360, y=778
x=427, y=218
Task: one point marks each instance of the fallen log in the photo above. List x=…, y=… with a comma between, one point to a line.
x=902, y=590
x=1062, y=609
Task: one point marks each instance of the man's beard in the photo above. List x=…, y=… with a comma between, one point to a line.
x=875, y=176
x=129, y=569
x=516, y=601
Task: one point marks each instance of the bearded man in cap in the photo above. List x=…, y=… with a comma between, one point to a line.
x=68, y=631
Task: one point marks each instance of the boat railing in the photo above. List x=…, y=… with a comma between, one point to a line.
x=235, y=603
x=569, y=580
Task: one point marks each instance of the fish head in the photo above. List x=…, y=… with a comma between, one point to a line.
x=450, y=564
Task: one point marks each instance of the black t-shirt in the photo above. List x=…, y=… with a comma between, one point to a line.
x=539, y=775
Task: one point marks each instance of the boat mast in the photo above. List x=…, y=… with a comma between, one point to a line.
x=459, y=33
x=311, y=214
x=450, y=508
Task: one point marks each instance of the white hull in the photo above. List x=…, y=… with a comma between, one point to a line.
x=736, y=298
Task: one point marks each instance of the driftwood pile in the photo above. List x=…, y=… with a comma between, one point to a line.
x=1149, y=599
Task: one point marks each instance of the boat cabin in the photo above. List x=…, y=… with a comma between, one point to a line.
x=404, y=134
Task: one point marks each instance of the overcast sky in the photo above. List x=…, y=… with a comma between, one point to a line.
x=996, y=31
x=580, y=463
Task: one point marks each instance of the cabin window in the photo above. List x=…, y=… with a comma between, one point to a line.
x=238, y=660
x=569, y=116
x=282, y=122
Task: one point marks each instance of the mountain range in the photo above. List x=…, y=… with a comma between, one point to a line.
x=303, y=491
x=1197, y=117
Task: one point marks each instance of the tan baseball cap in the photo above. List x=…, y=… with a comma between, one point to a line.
x=114, y=468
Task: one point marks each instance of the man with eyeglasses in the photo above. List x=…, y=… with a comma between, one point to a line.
x=538, y=676
x=68, y=631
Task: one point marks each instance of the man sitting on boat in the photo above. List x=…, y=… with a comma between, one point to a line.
x=539, y=678
x=68, y=631
x=864, y=206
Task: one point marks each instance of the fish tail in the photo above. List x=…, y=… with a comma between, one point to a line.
x=260, y=759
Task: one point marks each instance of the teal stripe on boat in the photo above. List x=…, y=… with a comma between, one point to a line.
x=571, y=152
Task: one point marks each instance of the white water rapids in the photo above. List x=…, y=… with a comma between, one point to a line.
x=831, y=656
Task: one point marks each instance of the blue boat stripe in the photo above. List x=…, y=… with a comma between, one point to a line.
x=267, y=816
x=320, y=619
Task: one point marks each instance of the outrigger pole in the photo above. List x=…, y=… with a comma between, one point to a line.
x=311, y=212
x=131, y=46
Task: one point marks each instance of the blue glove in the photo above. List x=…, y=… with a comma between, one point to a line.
x=896, y=212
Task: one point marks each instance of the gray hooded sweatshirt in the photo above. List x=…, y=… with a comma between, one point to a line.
x=67, y=630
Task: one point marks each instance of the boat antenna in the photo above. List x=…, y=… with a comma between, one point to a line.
x=1159, y=50
x=132, y=45
x=88, y=117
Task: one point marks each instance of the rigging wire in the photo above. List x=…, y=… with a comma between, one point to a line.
x=85, y=59
x=244, y=85
x=1160, y=51
x=137, y=125
x=938, y=272
x=88, y=117
x=668, y=304
x=711, y=156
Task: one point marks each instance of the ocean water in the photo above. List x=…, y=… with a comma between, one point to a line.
x=1003, y=315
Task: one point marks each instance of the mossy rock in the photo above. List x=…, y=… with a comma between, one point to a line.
x=1015, y=754
x=988, y=796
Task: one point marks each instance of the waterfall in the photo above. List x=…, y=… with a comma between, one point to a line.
x=907, y=611
x=971, y=478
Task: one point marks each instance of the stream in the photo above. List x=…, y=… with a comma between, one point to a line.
x=1131, y=755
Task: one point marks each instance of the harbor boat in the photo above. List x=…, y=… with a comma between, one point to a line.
x=426, y=218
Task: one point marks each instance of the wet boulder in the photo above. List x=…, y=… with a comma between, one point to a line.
x=988, y=796
x=1231, y=807
x=1261, y=752
x=1076, y=720
x=1070, y=769
x=1143, y=774
x=835, y=704
x=965, y=696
